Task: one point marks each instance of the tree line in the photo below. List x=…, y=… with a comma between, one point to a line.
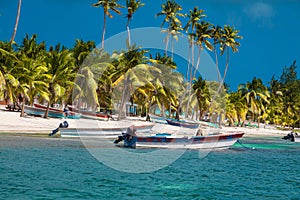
x=30, y=70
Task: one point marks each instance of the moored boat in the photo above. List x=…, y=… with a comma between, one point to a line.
x=102, y=133
x=292, y=136
x=224, y=140
x=183, y=124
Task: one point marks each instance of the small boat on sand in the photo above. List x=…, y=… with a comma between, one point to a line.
x=224, y=140
x=30, y=110
x=59, y=112
x=90, y=114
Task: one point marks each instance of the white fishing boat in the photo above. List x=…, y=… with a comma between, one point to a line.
x=102, y=133
x=224, y=140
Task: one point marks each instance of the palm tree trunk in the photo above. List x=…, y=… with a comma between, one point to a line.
x=192, y=75
x=128, y=31
x=103, y=31
x=167, y=43
x=217, y=64
x=22, y=111
x=226, y=68
x=47, y=110
x=122, y=111
x=17, y=22
x=172, y=43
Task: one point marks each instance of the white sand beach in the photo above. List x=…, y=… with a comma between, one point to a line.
x=11, y=122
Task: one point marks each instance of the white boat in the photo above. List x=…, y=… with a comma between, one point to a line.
x=219, y=141
x=102, y=133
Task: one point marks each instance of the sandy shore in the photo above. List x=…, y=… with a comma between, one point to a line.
x=11, y=122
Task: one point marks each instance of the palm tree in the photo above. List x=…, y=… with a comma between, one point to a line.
x=202, y=34
x=203, y=96
x=107, y=6
x=129, y=65
x=228, y=40
x=132, y=7
x=165, y=82
x=174, y=31
x=170, y=11
x=32, y=77
x=194, y=16
x=8, y=60
x=236, y=108
x=81, y=50
x=32, y=71
x=61, y=67
x=17, y=22
x=216, y=35
x=256, y=95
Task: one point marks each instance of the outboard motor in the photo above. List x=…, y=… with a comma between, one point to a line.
x=129, y=138
x=290, y=136
x=64, y=124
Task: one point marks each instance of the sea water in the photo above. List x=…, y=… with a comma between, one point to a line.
x=53, y=168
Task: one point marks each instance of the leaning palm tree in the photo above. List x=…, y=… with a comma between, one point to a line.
x=17, y=22
x=170, y=11
x=107, y=6
x=202, y=34
x=132, y=7
x=216, y=36
x=194, y=16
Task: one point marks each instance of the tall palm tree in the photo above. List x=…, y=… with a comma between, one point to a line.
x=171, y=12
x=107, y=6
x=228, y=40
x=132, y=7
x=216, y=35
x=194, y=16
x=17, y=22
x=174, y=31
x=202, y=34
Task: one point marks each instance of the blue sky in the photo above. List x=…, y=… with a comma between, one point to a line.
x=270, y=28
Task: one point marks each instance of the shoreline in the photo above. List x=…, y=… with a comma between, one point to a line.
x=13, y=124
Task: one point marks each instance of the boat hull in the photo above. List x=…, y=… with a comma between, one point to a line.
x=101, y=133
x=183, y=124
x=71, y=115
x=90, y=114
x=40, y=112
x=198, y=142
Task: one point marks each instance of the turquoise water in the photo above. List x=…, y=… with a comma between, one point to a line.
x=39, y=168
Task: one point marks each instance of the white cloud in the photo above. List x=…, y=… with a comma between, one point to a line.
x=260, y=12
